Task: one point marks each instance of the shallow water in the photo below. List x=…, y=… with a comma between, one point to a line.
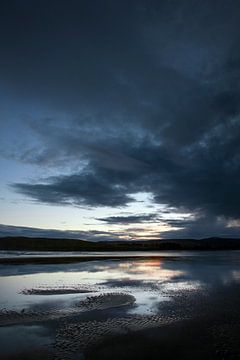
x=14, y=253
x=36, y=335
x=163, y=253
x=149, y=280
x=152, y=281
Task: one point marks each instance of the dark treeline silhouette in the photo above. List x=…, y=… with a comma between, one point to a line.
x=52, y=244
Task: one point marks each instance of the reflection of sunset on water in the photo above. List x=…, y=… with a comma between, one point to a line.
x=151, y=269
x=152, y=280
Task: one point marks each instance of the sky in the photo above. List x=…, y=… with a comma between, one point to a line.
x=120, y=120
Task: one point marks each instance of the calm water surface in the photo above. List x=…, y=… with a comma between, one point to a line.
x=149, y=280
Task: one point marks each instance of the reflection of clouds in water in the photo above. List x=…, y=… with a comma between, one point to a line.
x=127, y=282
x=90, y=267
x=138, y=277
x=213, y=271
x=151, y=284
x=149, y=269
x=236, y=275
x=25, y=338
x=146, y=279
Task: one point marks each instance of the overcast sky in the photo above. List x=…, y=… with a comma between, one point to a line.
x=120, y=119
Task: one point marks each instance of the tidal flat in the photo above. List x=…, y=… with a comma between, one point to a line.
x=168, y=305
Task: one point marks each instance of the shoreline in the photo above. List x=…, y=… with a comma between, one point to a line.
x=75, y=259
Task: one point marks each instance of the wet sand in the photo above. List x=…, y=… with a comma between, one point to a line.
x=57, y=291
x=193, y=326
x=91, y=303
x=197, y=322
x=210, y=331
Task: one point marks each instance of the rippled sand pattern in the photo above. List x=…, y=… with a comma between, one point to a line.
x=105, y=301
x=58, y=291
x=99, y=302
x=77, y=338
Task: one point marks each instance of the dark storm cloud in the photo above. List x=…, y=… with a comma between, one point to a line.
x=91, y=235
x=204, y=176
x=130, y=219
x=79, y=189
x=150, y=93
x=203, y=226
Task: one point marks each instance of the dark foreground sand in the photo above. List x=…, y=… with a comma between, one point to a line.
x=193, y=326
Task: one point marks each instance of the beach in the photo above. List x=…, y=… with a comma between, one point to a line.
x=179, y=305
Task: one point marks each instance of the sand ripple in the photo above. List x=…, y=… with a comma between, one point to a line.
x=99, y=302
x=58, y=290
x=78, y=338
x=105, y=301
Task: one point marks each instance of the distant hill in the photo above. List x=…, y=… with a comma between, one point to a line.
x=50, y=244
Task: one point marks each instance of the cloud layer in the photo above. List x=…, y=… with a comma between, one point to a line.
x=143, y=97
